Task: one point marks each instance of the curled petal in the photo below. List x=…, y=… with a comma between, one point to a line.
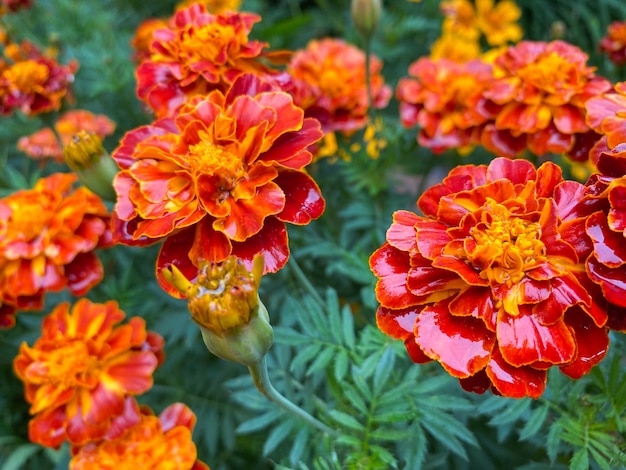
x=515, y=382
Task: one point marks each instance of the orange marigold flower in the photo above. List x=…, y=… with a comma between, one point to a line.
x=538, y=99
x=614, y=43
x=45, y=144
x=490, y=280
x=498, y=22
x=197, y=53
x=459, y=18
x=7, y=315
x=48, y=237
x=154, y=443
x=33, y=83
x=79, y=373
x=220, y=177
x=443, y=97
x=334, y=73
x=455, y=47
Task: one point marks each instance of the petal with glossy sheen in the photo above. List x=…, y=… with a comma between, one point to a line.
x=609, y=247
x=391, y=266
x=48, y=428
x=523, y=340
x=303, y=199
x=401, y=234
x=592, y=342
x=461, y=344
x=84, y=272
x=476, y=302
x=612, y=281
x=271, y=242
x=177, y=414
x=515, y=382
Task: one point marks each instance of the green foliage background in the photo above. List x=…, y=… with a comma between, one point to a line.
x=328, y=355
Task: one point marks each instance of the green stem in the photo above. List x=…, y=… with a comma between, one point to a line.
x=262, y=381
x=297, y=270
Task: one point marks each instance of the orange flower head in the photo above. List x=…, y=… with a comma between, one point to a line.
x=498, y=22
x=443, y=97
x=144, y=35
x=220, y=177
x=334, y=72
x=49, y=235
x=153, y=443
x=198, y=52
x=44, y=144
x=456, y=48
x=213, y=6
x=459, y=18
x=490, y=281
x=33, y=83
x=614, y=43
x=538, y=99
x=79, y=373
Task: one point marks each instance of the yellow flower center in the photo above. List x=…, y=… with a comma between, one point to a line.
x=70, y=365
x=331, y=81
x=26, y=76
x=205, y=44
x=549, y=73
x=29, y=218
x=224, y=296
x=506, y=247
x=209, y=159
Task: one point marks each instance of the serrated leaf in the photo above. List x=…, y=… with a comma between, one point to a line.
x=342, y=362
x=600, y=459
x=580, y=460
x=322, y=360
x=354, y=398
x=299, y=445
x=553, y=441
x=347, y=327
x=288, y=336
x=305, y=355
x=333, y=315
x=20, y=456
x=384, y=456
x=383, y=370
x=537, y=418
x=515, y=410
x=259, y=422
x=346, y=420
x=351, y=441
x=386, y=434
x=277, y=435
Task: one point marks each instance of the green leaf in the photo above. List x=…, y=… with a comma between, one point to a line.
x=305, y=355
x=259, y=422
x=347, y=322
x=346, y=420
x=553, y=442
x=512, y=413
x=19, y=457
x=383, y=370
x=299, y=445
x=537, y=418
x=277, y=435
x=386, y=434
x=333, y=315
x=580, y=460
x=342, y=362
x=322, y=360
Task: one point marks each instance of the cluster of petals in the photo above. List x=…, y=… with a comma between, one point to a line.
x=442, y=97
x=220, y=177
x=214, y=6
x=491, y=281
x=614, y=43
x=537, y=100
x=48, y=237
x=143, y=37
x=332, y=73
x=196, y=53
x=496, y=22
x=152, y=443
x=529, y=98
x=45, y=144
x=31, y=82
x=606, y=114
x=81, y=374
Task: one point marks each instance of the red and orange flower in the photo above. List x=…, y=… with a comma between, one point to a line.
x=537, y=99
x=154, y=443
x=614, y=43
x=491, y=281
x=220, y=177
x=442, y=97
x=47, y=242
x=333, y=73
x=80, y=374
x=32, y=82
x=197, y=53
x=45, y=144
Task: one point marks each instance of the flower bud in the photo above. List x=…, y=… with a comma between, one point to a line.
x=224, y=302
x=95, y=168
x=366, y=15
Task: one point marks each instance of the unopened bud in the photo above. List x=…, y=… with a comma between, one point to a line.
x=224, y=302
x=366, y=15
x=95, y=168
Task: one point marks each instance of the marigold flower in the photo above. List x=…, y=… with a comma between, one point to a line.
x=498, y=22
x=213, y=6
x=221, y=177
x=455, y=47
x=49, y=235
x=33, y=83
x=460, y=18
x=79, y=373
x=45, y=144
x=442, y=97
x=162, y=442
x=7, y=315
x=334, y=73
x=538, y=99
x=490, y=282
x=144, y=35
x=224, y=302
x=197, y=53
x=614, y=42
